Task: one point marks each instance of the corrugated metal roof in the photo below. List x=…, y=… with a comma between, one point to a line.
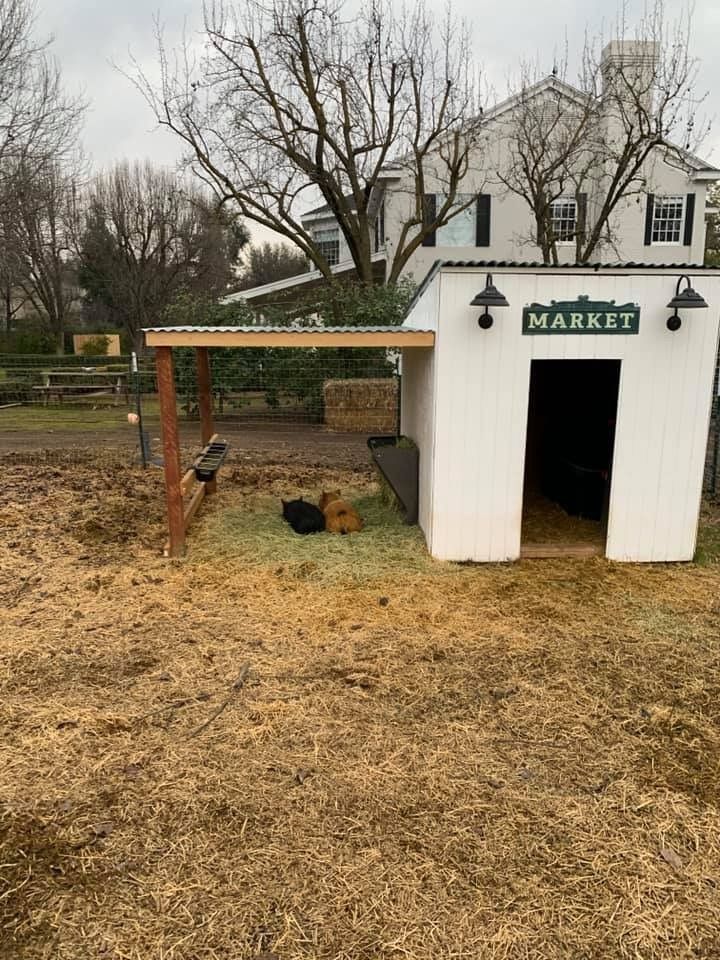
x=559, y=268
x=290, y=329
x=534, y=265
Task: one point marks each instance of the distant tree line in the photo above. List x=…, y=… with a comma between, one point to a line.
x=292, y=101
x=109, y=251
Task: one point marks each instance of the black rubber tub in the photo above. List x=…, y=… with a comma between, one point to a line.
x=210, y=461
x=581, y=490
x=397, y=459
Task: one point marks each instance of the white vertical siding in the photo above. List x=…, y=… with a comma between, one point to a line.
x=481, y=412
x=481, y=387
x=417, y=422
x=417, y=410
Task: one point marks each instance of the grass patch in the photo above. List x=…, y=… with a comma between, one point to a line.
x=708, y=545
x=80, y=418
x=256, y=534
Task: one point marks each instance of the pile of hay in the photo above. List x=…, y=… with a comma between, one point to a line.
x=425, y=761
x=255, y=534
x=361, y=406
x=546, y=522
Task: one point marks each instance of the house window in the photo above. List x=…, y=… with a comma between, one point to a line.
x=667, y=219
x=328, y=244
x=460, y=231
x=563, y=219
x=379, y=231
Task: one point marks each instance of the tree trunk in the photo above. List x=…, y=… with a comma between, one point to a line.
x=59, y=326
x=8, y=310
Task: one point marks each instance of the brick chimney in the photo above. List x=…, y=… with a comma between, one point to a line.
x=630, y=63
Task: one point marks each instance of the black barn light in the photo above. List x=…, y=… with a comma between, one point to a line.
x=489, y=297
x=689, y=299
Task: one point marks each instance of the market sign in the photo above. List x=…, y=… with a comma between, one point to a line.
x=581, y=316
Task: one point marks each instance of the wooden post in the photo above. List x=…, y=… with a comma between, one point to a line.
x=171, y=448
x=204, y=385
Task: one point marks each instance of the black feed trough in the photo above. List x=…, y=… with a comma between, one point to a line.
x=210, y=461
x=397, y=459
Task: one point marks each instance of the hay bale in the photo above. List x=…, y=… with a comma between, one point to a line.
x=361, y=406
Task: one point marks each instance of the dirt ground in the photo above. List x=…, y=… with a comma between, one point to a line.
x=421, y=760
x=310, y=443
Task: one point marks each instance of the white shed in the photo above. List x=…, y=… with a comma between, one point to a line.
x=580, y=395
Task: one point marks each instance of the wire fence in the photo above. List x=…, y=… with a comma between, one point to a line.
x=711, y=484
x=72, y=402
x=50, y=401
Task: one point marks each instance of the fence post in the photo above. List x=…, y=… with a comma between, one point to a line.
x=398, y=405
x=144, y=444
x=204, y=385
x=716, y=445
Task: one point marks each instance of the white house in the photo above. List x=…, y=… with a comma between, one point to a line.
x=664, y=224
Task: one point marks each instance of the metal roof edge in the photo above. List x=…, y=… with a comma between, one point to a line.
x=560, y=267
x=260, y=329
x=424, y=284
x=630, y=266
x=297, y=280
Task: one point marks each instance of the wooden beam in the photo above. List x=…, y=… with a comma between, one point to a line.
x=171, y=449
x=187, y=481
x=204, y=384
x=290, y=338
x=538, y=551
x=195, y=501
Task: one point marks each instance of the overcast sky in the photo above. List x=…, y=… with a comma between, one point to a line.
x=91, y=35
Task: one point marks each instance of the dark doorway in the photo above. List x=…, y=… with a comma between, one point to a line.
x=568, y=456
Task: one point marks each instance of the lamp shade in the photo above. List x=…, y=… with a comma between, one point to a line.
x=490, y=296
x=687, y=299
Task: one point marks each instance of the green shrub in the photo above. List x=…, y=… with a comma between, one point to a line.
x=96, y=346
x=15, y=391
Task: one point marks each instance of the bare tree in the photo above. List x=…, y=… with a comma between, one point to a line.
x=266, y=262
x=712, y=245
x=43, y=209
x=39, y=125
x=38, y=120
x=545, y=140
x=12, y=267
x=146, y=239
x=598, y=140
x=298, y=97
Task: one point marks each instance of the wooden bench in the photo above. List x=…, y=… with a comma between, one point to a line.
x=83, y=384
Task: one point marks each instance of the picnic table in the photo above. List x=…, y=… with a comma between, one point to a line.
x=85, y=382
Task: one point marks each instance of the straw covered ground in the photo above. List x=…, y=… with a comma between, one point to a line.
x=421, y=761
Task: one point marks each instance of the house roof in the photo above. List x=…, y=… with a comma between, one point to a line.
x=300, y=279
x=325, y=207
x=552, y=83
x=261, y=336
x=700, y=169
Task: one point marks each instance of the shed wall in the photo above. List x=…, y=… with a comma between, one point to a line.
x=481, y=405
x=418, y=400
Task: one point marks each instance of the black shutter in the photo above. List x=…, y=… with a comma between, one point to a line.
x=482, y=220
x=581, y=215
x=649, y=214
x=429, y=215
x=689, y=218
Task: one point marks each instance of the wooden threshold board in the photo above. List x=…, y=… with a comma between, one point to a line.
x=540, y=551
